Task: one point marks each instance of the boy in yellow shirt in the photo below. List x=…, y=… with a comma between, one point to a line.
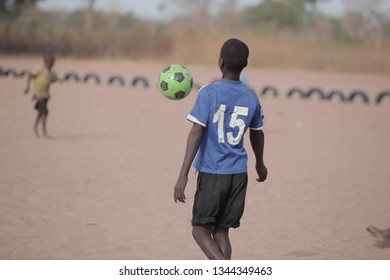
x=43, y=77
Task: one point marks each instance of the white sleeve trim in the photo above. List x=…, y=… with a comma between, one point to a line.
x=191, y=118
x=256, y=128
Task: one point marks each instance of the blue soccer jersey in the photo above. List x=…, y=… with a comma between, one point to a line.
x=226, y=109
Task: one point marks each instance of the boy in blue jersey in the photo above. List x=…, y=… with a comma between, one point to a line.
x=222, y=113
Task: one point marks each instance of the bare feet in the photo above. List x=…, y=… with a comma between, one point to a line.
x=36, y=132
x=47, y=136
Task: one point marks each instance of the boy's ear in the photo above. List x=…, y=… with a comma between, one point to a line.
x=246, y=64
x=221, y=63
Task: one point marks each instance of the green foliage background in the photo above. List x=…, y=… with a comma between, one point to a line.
x=287, y=34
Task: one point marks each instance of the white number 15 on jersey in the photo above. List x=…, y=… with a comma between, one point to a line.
x=219, y=117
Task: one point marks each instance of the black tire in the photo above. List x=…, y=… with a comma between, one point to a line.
x=335, y=93
x=382, y=95
x=296, y=90
x=136, y=80
x=71, y=76
x=24, y=73
x=319, y=91
x=120, y=80
x=54, y=76
x=271, y=89
x=9, y=72
x=360, y=93
x=92, y=76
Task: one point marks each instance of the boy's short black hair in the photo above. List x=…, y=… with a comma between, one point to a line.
x=235, y=55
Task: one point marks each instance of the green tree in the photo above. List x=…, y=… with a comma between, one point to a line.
x=366, y=20
x=280, y=14
x=88, y=20
x=11, y=9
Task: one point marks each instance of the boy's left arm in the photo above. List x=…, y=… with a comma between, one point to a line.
x=257, y=141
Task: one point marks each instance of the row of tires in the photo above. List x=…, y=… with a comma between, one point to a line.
x=72, y=76
x=267, y=90
x=115, y=79
x=322, y=95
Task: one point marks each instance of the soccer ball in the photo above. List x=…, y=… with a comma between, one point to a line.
x=175, y=82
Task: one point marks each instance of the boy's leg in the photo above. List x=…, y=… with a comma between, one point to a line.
x=41, y=107
x=44, y=120
x=221, y=236
x=209, y=246
x=39, y=116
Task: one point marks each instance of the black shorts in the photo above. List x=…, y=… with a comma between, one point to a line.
x=219, y=199
x=41, y=106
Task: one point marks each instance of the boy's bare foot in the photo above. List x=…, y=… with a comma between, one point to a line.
x=47, y=136
x=36, y=132
x=380, y=235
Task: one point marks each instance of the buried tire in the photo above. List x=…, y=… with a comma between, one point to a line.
x=361, y=94
x=93, y=76
x=270, y=89
x=142, y=80
x=382, y=95
x=117, y=79
x=71, y=76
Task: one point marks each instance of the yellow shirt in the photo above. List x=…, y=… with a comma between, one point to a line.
x=42, y=80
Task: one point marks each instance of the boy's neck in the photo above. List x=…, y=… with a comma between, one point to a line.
x=231, y=76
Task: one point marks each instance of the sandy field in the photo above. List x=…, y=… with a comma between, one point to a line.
x=102, y=187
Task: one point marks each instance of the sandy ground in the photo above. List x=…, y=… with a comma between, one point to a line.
x=102, y=188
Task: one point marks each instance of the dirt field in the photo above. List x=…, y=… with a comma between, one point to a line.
x=102, y=187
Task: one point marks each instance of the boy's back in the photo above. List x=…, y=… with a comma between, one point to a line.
x=226, y=109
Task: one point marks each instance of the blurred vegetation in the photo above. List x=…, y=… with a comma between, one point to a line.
x=285, y=34
x=10, y=10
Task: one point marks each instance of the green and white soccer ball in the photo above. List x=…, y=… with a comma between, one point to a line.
x=175, y=82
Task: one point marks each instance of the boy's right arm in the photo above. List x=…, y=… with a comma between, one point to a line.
x=257, y=142
x=193, y=144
